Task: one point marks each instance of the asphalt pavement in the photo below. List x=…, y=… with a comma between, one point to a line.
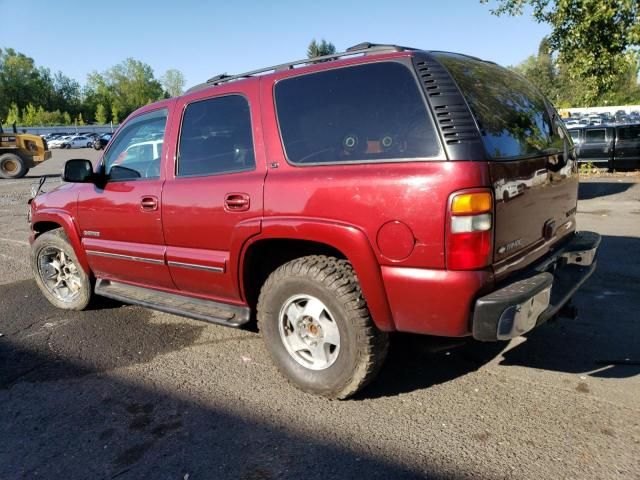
x=125, y=392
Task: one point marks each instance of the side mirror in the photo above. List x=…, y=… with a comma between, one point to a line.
x=78, y=171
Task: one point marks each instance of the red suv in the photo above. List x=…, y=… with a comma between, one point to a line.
x=335, y=200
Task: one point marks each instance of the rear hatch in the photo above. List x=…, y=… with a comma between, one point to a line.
x=530, y=160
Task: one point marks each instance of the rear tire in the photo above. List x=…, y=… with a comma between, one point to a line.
x=318, y=329
x=12, y=166
x=58, y=273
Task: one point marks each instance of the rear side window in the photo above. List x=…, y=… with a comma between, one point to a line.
x=372, y=112
x=594, y=136
x=629, y=133
x=513, y=116
x=216, y=137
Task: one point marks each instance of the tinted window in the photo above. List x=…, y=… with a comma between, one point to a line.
x=575, y=134
x=512, y=114
x=216, y=137
x=594, y=136
x=131, y=154
x=371, y=112
x=629, y=133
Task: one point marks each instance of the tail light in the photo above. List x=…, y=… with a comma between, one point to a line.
x=469, y=237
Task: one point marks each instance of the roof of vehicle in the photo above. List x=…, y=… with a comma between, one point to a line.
x=352, y=55
x=360, y=50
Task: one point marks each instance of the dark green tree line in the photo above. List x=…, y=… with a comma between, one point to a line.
x=32, y=95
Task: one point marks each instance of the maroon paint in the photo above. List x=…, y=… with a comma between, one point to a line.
x=387, y=219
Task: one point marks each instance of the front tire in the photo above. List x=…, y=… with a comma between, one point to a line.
x=12, y=166
x=58, y=273
x=318, y=329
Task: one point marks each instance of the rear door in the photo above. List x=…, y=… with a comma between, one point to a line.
x=596, y=146
x=212, y=199
x=530, y=160
x=627, y=147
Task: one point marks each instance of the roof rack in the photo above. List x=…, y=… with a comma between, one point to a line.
x=365, y=48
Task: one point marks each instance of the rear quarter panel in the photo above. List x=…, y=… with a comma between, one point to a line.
x=367, y=195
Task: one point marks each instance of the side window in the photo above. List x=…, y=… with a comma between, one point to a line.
x=131, y=154
x=575, y=135
x=629, y=133
x=594, y=136
x=373, y=112
x=216, y=137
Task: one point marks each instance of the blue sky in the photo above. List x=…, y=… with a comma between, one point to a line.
x=203, y=39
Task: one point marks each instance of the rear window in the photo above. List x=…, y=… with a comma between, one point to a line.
x=513, y=116
x=372, y=112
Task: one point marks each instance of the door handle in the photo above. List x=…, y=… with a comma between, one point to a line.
x=236, y=202
x=149, y=203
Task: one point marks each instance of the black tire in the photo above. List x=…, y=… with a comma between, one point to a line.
x=57, y=239
x=363, y=347
x=12, y=166
x=88, y=144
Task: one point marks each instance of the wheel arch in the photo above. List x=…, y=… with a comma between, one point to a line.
x=282, y=240
x=45, y=221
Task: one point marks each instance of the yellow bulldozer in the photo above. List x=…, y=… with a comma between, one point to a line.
x=20, y=152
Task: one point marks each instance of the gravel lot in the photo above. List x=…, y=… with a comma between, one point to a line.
x=124, y=392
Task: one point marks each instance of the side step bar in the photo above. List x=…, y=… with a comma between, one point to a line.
x=207, y=310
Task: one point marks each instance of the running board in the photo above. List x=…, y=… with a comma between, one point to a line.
x=207, y=310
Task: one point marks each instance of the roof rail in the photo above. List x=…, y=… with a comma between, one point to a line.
x=362, y=48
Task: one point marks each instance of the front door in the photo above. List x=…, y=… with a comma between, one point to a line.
x=120, y=221
x=212, y=200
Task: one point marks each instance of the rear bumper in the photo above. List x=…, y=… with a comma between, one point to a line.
x=538, y=293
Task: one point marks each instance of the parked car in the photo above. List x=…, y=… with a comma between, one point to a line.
x=336, y=202
x=58, y=141
x=101, y=142
x=612, y=147
x=571, y=123
x=91, y=135
x=77, y=141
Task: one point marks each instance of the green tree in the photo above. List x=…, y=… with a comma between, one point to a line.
x=13, y=115
x=319, y=49
x=115, y=114
x=29, y=115
x=596, y=40
x=133, y=85
x=80, y=120
x=19, y=80
x=101, y=114
x=66, y=118
x=173, y=82
x=553, y=79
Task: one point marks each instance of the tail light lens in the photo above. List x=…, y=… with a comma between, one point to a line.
x=469, y=237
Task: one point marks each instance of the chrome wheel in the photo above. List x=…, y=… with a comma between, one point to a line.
x=59, y=274
x=309, y=332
